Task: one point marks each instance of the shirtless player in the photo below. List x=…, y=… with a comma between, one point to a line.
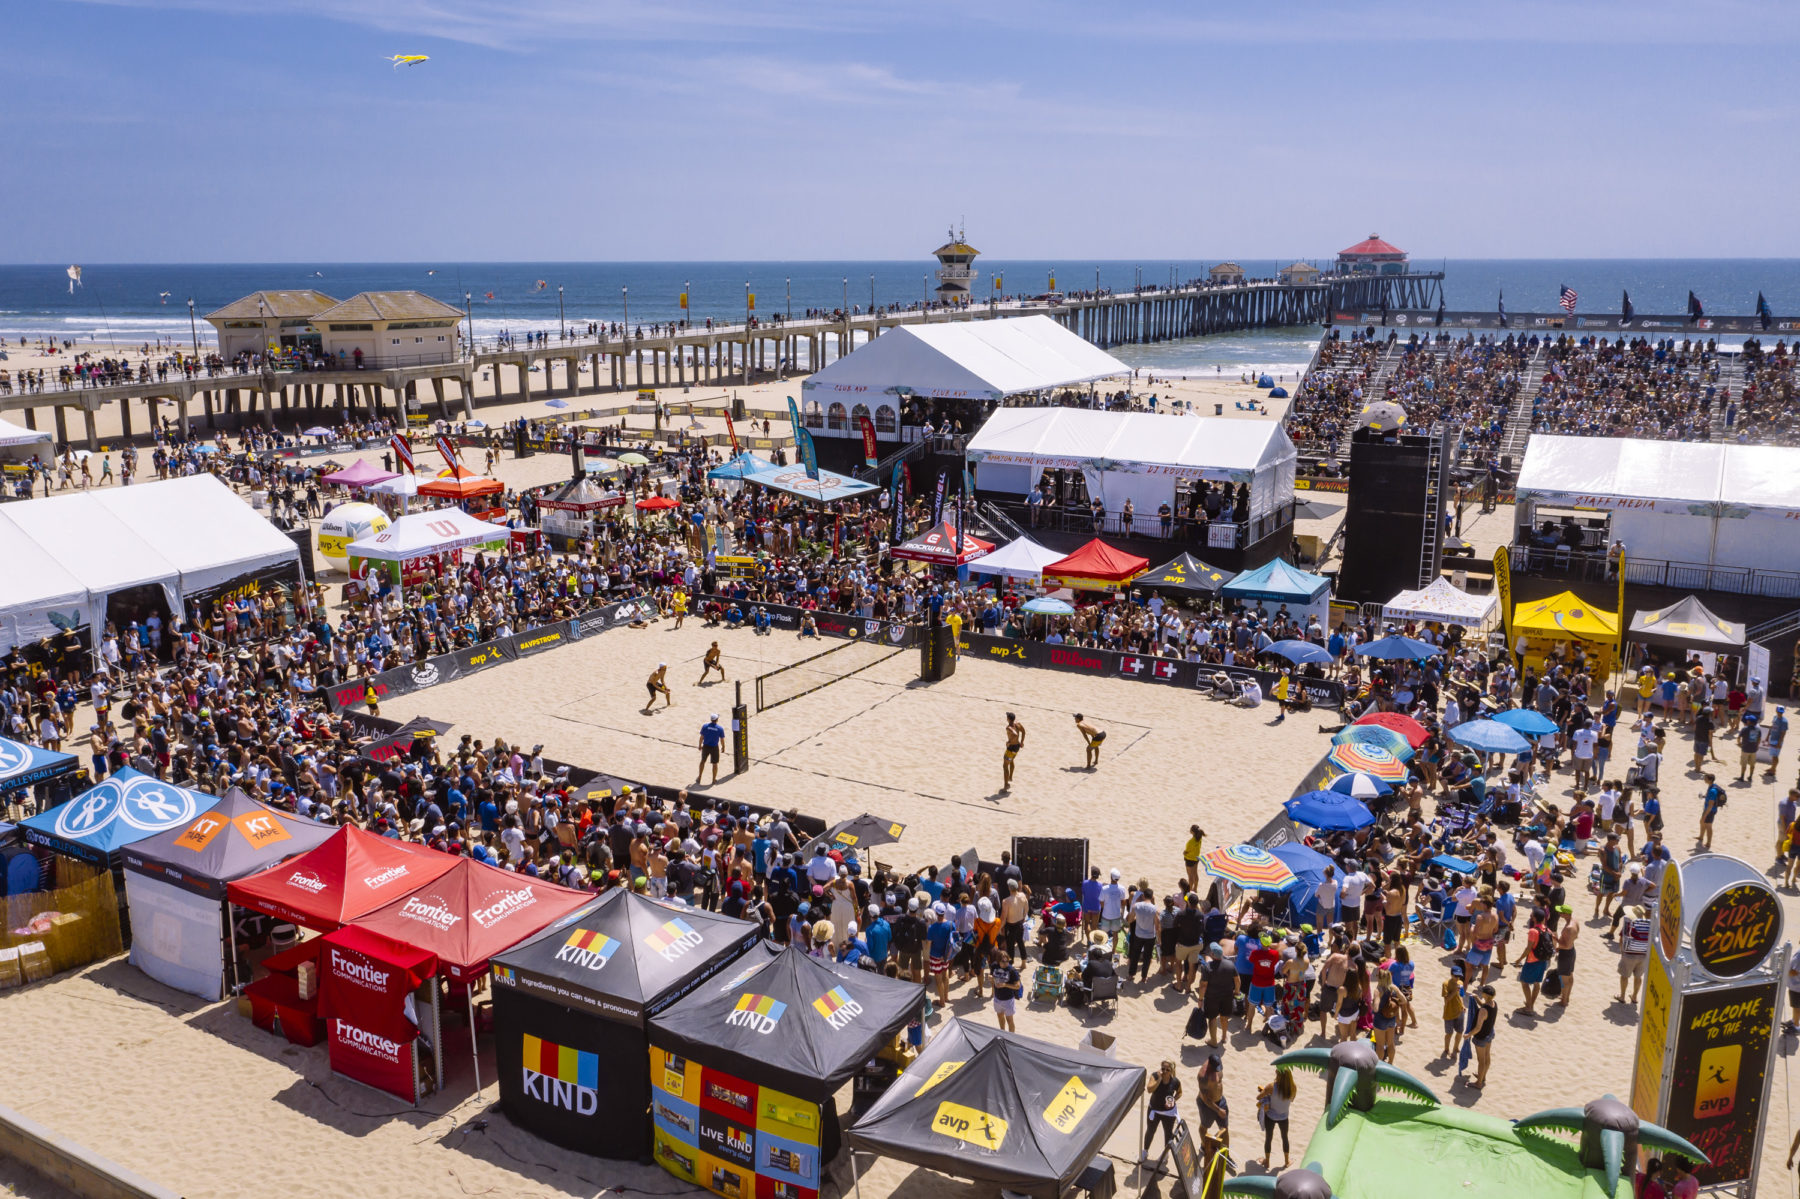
x=1015, y=741
x=1094, y=738
x=711, y=663
x=657, y=682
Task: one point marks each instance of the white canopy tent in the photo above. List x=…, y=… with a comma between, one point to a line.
x=1444, y=603
x=1021, y=558
x=965, y=360
x=18, y=443
x=423, y=534
x=1735, y=506
x=66, y=555
x=1140, y=456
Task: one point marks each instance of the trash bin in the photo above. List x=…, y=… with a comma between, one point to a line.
x=1218, y=410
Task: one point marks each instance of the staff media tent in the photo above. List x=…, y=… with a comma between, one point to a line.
x=175, y=886
x=579, y=994
x=72, y=559
x=780, y=1040
x=467, y=915
x=1001, y=1109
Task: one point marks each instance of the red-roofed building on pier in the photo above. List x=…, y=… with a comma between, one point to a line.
x=1372, y=256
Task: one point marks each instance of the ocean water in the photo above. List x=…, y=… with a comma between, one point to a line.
x=130, y=304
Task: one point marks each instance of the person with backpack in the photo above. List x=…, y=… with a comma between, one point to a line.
x=1749, y=740
x=1711, y=800
x=1540, y=948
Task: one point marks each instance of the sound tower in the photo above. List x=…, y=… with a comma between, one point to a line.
x=1386, y=547
x=937, y=652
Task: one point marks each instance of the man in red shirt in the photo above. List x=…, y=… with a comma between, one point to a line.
x=1263, y=961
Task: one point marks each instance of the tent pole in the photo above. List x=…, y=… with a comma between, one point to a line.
x=231, y=939
x=855, y=1179
x=474, y=1053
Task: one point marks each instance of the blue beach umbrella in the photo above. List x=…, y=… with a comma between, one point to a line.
x=556, y=403
x=1329, y=810
x=1046, y=605
x=1397, y=647
x=1359, y=785
x=1529, y=721
x=1490, y=737
x=1375, y=734
x=1299, y=652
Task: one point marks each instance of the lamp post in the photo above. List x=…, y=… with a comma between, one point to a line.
x=193, y=329
x=1096, y=281
x=262, y=315
x=924, y=292
x=746, y=333
x=469, y=314
x=562, y=325
x=625, y=298
x=790, y=298
x=871, y=294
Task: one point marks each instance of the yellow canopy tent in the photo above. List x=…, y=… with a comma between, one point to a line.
x=1547, y=624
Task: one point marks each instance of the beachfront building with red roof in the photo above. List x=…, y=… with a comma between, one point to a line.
x=1372, y=256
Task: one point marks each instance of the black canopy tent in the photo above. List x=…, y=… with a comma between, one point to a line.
x=399, y=743
x=857, y=833
x=1184, y=575
x=1686, y=624
x=998, y=1108
x=571, y=1005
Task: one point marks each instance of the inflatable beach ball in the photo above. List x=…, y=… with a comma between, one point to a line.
x=347, y=523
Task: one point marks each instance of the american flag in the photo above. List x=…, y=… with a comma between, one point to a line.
x=1568, y=298
x=403, y=454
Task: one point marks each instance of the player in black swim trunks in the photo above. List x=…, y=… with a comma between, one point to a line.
x=1094, y=738
x=1015, y=741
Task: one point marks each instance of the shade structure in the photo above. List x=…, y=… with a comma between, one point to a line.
x=1397, y=648
x=580, y=993
x=1299, y=652
x=1368, y=759
x=1490, y=737
x=1047, y=605
x=461, y=483
x=939, y=547
x=1277, y=582
x=1686, y=624
x=633, y=458
x=401, y=741
x=1096, y=566
x=1248, y=866
x=472, y=912
x=423, y=534
x=1329, y=810
x=1414, y=732
x=1565, y=615
x=1374, y=734
x=657, y=503
x=1383, y=416
x=794, y=481
x=859, y=833
x=1360, y=785
x=1529, y=721
x=400, y=485
x=347, y=876
x=358, y=474
x=967, y=360
x=22, y=765
x=121, y=810
x=1001, y=1109
x=742, y=466
x=1185, y=575
x=1309, y=866
x=1443, y=603
x=1020, y=558
x=581, y=496
x=556, y=403
x=782, y=1024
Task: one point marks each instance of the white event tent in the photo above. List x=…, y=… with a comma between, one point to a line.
x=67, y=555
x=1021, y=558
x=18, y=443
x=1444, y=603
x=437, y=531
x=1140, y=456
x=964, y=360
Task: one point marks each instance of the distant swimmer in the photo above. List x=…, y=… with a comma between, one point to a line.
x=1094, y=738
x=1015, y=741
x=657, y=682
x=711, y=663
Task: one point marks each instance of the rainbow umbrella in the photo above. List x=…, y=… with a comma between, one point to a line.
x=1414, y=732
x=1362, y=758
x=1249, y=867
x=1374, y=734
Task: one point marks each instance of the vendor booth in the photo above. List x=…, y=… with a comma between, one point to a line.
x=461, y=485
x=357, y=475
x=571, y=510
x=1444, y=603
x=1003, y=1110
x=580, y=994
x=938, y=547
x=1560, y=624
x=175, y=886
x=347, y=876
x=1185, y=575
x=745, y=1075
x=23, y=765
x=739, y=468
x=1021, y=558
x=1096, y=566
x=403, y=550
x=19, y=444
x=1686, y=624
x=827, y=488
x=1275, y=585
x=378, y=1003
x=465, y=916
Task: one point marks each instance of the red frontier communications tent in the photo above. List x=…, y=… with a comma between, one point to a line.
x=364, y=980
x=1096, y=566
x=938, y=547
x=467, y=915
x=348, y=876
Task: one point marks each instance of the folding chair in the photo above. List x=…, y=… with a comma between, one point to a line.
x=1104, y=989
x=1046, y=985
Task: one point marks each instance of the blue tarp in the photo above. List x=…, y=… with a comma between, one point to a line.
x=22, y=765
x=123, y=810
x=743, y=465
x=1277, y=581
x=1308, y=865
x=826, y=488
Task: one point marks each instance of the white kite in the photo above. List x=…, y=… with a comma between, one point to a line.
x=74, y=273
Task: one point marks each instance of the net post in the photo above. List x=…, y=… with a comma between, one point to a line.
x=740, y=732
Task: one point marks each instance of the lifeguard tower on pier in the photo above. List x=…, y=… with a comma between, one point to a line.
x=956, y=272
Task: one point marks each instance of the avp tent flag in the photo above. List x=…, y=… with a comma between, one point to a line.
x=579, y=994
x=1001, y=1109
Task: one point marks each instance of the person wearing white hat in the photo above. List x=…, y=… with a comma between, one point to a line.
x=1112, y=907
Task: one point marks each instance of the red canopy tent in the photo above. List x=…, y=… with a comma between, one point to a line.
x=461, y=483
x=938, y=547
x=364, y=979
x=467, y=915
x=348, y=876
x=1096, y=566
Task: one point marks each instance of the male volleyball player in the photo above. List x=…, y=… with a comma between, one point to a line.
x=1015, y=741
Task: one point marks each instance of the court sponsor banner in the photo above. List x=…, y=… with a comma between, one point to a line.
x=1652, y=1041
x=471, y=659
x=1716, y=1084
x=831, y=624
x=536, y=641
x=606, y=616
x=282, y=575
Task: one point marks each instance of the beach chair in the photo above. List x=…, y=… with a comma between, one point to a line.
x=1046, y=985
x=1104, y=990
x=1427, y=923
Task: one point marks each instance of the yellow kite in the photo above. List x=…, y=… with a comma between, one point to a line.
x=407, y=60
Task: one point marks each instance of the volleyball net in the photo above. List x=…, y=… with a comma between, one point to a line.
x=797, y=679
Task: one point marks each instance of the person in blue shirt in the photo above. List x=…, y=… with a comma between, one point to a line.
x=759, y=851
x=1069, y=909
x=930, y=885
x=879, y=935
x=941, y=936
x=761, y=620
x=489, y=812
x=712, y=736
x=1090, y=899
x=1247, y=942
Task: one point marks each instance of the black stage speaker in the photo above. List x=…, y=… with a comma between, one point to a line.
x=1387, y=548
x=937, y=653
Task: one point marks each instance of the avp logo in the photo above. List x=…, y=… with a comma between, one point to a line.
x=969, y=1125
x=758, y=1013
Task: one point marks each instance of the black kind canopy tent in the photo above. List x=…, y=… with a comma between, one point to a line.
x=998, y=1108
x=570, y=1008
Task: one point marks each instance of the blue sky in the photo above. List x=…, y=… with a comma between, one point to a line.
x=260, y=130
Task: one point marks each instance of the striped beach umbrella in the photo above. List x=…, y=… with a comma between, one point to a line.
x=1405, y=725
x=1250, y=867
x=1374, y=734
x=1362, y=786
x=1368, y=759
